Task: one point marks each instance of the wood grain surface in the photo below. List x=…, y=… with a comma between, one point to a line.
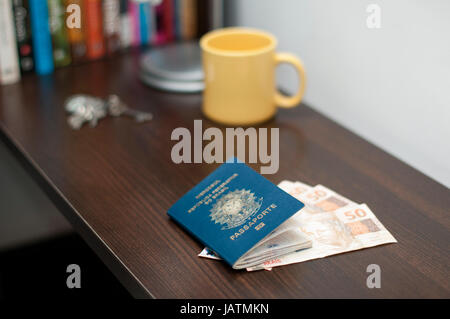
x=115, y=182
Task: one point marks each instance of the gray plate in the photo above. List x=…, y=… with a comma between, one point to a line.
x=179, y=61
x=173, y=86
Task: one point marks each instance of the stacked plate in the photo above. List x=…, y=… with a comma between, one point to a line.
x=175, y=67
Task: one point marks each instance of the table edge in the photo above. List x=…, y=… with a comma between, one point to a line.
x=102, y=250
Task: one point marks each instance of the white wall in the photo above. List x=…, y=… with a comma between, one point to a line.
x=389, y=85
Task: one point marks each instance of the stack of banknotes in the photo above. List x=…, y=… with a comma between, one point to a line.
x=334, y=225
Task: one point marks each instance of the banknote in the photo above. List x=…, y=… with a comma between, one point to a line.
x=323, y=199
x=294, y=188
x=333, y=231
x=333, y=223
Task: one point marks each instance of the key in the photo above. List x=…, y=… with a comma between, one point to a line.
x=117, y=108
x=84, y=108
x=76, y=121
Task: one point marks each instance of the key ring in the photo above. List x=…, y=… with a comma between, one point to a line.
x=87, y=108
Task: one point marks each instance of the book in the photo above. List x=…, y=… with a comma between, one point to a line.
x=133, y=7
x=237, y=213
x=125, y=24
x=76, y=34
x=9, y=61
x=167, y=20
x=144, y=22
x=164, y=22
x=41, y=37
x=188, y=19
x=210, y=15
x=152, y=24
x=111, y=25
x=203, y=16
x=216, y=14
x=159, y=36
x=23, y=35
x=60, y=41
x=177, y=19
x=94, y=29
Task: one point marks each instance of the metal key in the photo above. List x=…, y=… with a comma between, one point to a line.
x=84, y=108
x=117, y=108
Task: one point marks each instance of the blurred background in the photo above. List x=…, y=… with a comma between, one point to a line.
x=388, y=84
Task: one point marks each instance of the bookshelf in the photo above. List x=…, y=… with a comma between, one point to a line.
x=39, y=36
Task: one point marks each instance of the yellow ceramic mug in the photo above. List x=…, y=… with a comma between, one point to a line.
x=239, y=66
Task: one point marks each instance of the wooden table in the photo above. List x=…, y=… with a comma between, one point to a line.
x=115, y=182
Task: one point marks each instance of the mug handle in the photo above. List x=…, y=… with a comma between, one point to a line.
x=290, y=101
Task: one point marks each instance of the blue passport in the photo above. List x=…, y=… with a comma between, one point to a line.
x=233, y=209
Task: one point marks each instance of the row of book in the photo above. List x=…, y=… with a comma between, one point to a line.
x=41, y=35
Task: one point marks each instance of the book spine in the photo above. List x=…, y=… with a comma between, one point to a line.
x=23, y=35
x=76, y=34
x=216, y=14
x=177, y=19
x=203, y=12
x=152, y=24
x=168, y=17
x=125, y=24
x=188, y=17
x=94, y=29
x=160, y=35
x=60, y=41
x=41, y=38
x=9, y=61
x=111, y=25
x=144, y=22
x=134, y=16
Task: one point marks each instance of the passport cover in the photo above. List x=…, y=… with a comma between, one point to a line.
x=233, y=209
